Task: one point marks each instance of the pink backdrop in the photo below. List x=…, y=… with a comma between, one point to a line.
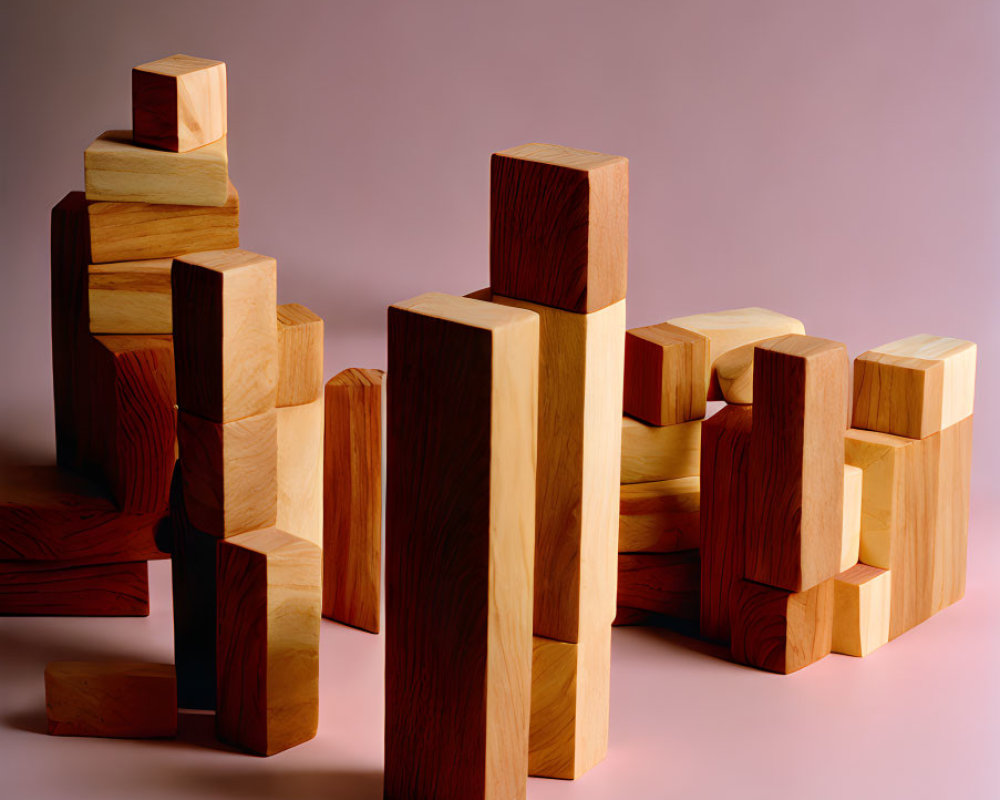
x=837, y=161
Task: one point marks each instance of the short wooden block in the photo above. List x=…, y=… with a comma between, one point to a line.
x=725, y=513
x=230, y=472
x=579, y=473
x=300, y=355
x=59, y=589
x=269, y=598
x=916, y=386
x=781, y=631
x=559, y=226
x=797, y=458
x=132, y=231
x=460, y=509
x=727, y=330
x=352, y=528
x=179, y=103
x=664, y=369
x=861, y=598
x=850, y=547
x=111, y=699
x=225, y=335
x=653, y=453
x=659, y=517
x=300, y=470
x=130, y=297
x=570, y=702
x=665, y=583
x=733, y=372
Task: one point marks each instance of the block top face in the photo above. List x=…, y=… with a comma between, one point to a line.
x=739, y=318
x=666, y=334
x=802, y=346
x=357, y=377
x=292, y=314
x=114, y=144
x=560, y=156
x=225, y=261
x=103, y=669
x=178, y=65
x=926, y=346
x=885, y=440
x=120, y=343
x=860, y=574
x=270, y=541
x=465, y=311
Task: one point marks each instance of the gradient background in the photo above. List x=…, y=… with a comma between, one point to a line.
x=836, y=161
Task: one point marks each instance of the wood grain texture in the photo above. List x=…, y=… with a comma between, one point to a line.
x=861, y=602
x=117, y=169
x=268, y=640
x=460, y=502
x=225, y=334
x=733, y=372
x=111, y=699
x=725, y=514
x=659, y=517
x=797, y=456
x=665, y=583
x=653, y=453
x=57, y=589
x=130, y=297
x=300, y=355
x=579, y=472
x=300, y=470
x=352, y=485
x=179, y=103
x=133, y=231
x=781, y=631
x=850, y=543
x=559, y=226
x=664, y=370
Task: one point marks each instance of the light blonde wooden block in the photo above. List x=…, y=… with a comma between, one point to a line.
x=130, y=297
x=861, y=601
x=655, y=453
x=300, y=470
x=659, y=517
x=116, y=168
x=300, y=355
x=851, y=541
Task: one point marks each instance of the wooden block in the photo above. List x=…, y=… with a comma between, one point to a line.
x=134, y=231
x=781, y=631
x=665, y=583
x=664, y=369
x=652, y=453
x=58, y=589
x=633, y=617
x=460, y=504
x=579, y=474
x=559, y=226
x=659, y=517
x=733, y=372
x=727, y=330
x=850, y=547
x=111, y=699
x=352, y=546
x=300, y=355
x=230, y=472
x=725, y=513
x=300, y=470
x=117, y=169
x=797, y=457
x=225, y=335
x=179, y=103
x=861, y=600
x=570, y=702
x=916, y=386
x=130, y=297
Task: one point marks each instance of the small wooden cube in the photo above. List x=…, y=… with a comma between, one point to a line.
x=851, y=541
x=664, y=374
x=659, y=517
x=179, y=103
x=861, y=598
x=659, y=453
x=300, y=355
x=130, y=297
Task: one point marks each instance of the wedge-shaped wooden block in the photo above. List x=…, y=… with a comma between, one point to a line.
x=659, y=517
x=132, y=231
x=916, y=386
x=59, y=589
x=665, y=583
x=570, y=703
x=352, y=528
x=269, y=597
x=230, y=472
x=300, y=354
x=460, y=504
x=179, y=103
x=861, y=598
x=727, y=330
x=655, y=453
x=111, y=699
x=733, y=372
x=664, y=371
x=130, y=297
x=725, y=514
x=850, y=546
x=781, y=631
x=797, y=458
x=579, y=473
x=300, y=470
x=116, y=168
x=559, y=226
x=225, y=335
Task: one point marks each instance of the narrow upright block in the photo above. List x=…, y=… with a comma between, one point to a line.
x=664, y=371
x=850, y=548
x=225, y=335
x=460, y=504
x=659, y=517
x=179, y=103
x=664, y=583
x=300, y=470
x=130, y=297
x=352, y=527
x=653, y=453
x=268, y=641
x=861, y=598
x=60, y=589
x=117, y=169
x=300, y=355
x=559, y=226
x=797, y=457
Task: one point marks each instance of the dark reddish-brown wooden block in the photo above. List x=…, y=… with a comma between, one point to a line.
x=52, y=588
x=665, y=370
x=665, y=583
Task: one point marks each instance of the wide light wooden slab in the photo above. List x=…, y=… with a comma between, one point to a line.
x=659, y=453
x=659, y=517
